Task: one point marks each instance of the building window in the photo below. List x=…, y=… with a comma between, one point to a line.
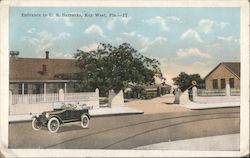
x=37, y=88
x=231, y=82
x=222, y=83
x=215, y=84
x=20, y=88
x=25, y=88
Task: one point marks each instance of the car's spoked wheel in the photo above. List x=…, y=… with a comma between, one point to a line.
x=84, y=121
x=53, y=125
x=36, y=125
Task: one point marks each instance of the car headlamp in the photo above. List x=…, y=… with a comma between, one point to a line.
x=37, y=115
x=47, y=115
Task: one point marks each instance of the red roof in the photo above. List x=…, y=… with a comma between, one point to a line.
x=233, y=67
x=29, y=69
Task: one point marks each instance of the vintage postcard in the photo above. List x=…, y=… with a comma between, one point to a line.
x=124, y=78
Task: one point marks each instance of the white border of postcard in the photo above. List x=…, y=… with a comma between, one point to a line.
x=4, y=80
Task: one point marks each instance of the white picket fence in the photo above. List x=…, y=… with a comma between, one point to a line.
x=34, y=98
x=215, y=96
x=36, y=103
x=204, y=92
x=54, y=97
x=235, y=92
x=80, y=96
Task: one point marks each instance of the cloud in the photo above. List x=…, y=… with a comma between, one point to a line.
x=66, y=20
x=207, y=26
x=111, y=23
x=44, y=40
x=174, y=18
x=192, y=52
x=228, y=39
x=63, y=35
x=159, y=39
x=146, y=42
x=90, y=47
x=143, y=39
x=158, y=20
x=60, y=55
x=116, y=40
x=130, y=34
x=31, y=30
x=191, y=34
x=94, y=29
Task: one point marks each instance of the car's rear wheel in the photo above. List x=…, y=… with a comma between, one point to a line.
x=84, y=121
x=36, y=125
x=53, y=125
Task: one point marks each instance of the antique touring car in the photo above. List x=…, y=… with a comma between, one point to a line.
x=61, y=115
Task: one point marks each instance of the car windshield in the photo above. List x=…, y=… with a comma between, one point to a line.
x=71, y=106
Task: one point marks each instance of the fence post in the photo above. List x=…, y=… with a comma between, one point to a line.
x=65, y=90
x=194, y=91
x=228, y=90
x=97, y=97
x=61, y=95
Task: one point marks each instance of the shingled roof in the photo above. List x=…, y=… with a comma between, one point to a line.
x=233, y=67
x=40, y=69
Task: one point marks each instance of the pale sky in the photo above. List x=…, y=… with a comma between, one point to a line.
x=192, y=40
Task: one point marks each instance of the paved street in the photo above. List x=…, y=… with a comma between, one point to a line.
x=161, y=104
x=129, y=131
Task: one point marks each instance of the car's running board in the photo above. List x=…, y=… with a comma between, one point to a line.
x=69, y=123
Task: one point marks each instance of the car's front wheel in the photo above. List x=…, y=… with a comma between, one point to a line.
x=84, y=121
x=36, y=125
x=53, y=125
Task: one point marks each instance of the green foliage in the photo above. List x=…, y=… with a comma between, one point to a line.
x=144, y=95
x=184, y=80
x=111, y=67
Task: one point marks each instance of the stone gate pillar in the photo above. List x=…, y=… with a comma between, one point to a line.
x=228, y=90
x=177, y=96
x=194, y=93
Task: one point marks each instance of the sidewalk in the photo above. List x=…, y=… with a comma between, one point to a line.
x=105, y=111
x=214, y=143
x=164, y=104
x=200, y=106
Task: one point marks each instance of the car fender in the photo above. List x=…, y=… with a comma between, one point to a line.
x=86, y=114
x=60, y=120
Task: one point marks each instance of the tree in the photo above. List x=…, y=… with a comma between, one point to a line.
x=111, y=67
x=184, y=80
x=14, y=53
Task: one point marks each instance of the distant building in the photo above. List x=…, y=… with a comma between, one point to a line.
x=42, y=75
x=224, y=73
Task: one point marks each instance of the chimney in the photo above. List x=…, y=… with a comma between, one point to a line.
x=47, y=54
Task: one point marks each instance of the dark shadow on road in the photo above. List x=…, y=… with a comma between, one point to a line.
x=168, y=103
